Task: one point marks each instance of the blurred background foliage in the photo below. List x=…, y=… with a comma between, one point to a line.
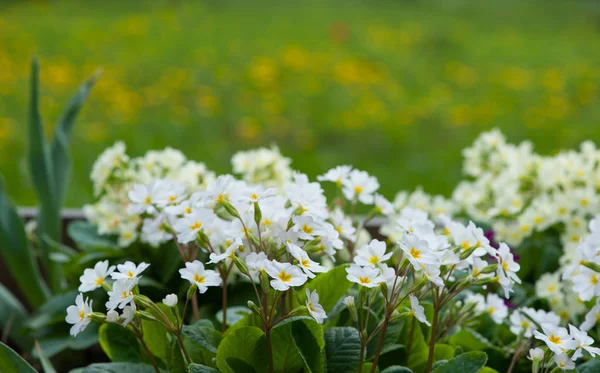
x=394, y=87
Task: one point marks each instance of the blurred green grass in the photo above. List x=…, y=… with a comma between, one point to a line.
x=394, y=87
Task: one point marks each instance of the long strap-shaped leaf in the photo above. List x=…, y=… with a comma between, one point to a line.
x=12, y=319
x=17, y=253
x=61, y=161
x=42, y=177
x=11, y=362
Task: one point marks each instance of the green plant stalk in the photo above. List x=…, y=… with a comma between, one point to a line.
x=436, y=310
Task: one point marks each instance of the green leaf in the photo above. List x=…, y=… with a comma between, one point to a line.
x=53, y=311
x=590, y=366
x=40, y=169
x=331, y=286
x=12, y=318
x=60, y=341
x=234, y=314
x=11, y=362
x=396, y=369
x=390, y=341
x=119, y=368
x=204, y=334
x=59, y=151
x=86, y=236
x=367, y=367
x=286, y=357
x=176, y=360
x=342, y=349
x=308, y=337
x=419, y=351
x=46, y=364
x=244, y=346
x=119, y=344
x=470, y=340
x=199, y=368
x=490, y=370
x=17, y=253
x=469, y=362
x=156, y=336
x=443, y=352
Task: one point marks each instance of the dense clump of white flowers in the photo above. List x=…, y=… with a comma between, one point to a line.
x=262, y=166
x=113, y=175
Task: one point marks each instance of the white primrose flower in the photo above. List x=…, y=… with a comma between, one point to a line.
x=496, y=308
x=520, y=323
x=112, y=316
x=307, y=227
x=536, y=354
x=257, y=193
x=417, y=310
x=586, y=283
x=372, y=254
x=94, y=278
x=591, y=318
x=128, y=315
x=170, y=300
x=195, y=273
x=121, y=294
x=343, y=224
x=229, y=253
x=187, y=228
x=418, y=252
x=556, y=338
x=507, y=264
x=313, y=306
x=584, y=342
x=284, y=275
x=360, y=186
x=338, y=175
x=564, y=362
x=365, y=276
x=256, y=263
x=129, y=271
x=144, y=197
x=432, y=273
x=382, y=205
x=78, y=315
x=308, y=266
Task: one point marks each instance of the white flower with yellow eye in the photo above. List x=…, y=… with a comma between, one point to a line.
x=586, y=283
x=284, y=275
x=187, y=228
x=313, y=306
x=94, y=278
x=78, y=315
x=368, y=277
x=556, y=338
x=121, y=294
x=338, y=175
x=229, y=254
x=129, y=271
x=496, y=308
x=195, y=273
x=360, y=186
x=417, y=311
x=308, y=266
x=372, y=254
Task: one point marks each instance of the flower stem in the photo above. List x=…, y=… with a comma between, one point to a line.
x=381, y=340
x=224, y=305
x=433, y=333
x=195, y=312
x=410, y=339
x=183, y=349
x=267, y=329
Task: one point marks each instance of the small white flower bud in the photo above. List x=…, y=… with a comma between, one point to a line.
x=349, y=301
x=112, y=316
x=170, y=300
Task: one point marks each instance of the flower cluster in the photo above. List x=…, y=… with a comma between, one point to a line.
x=263, y=166
x=113, y=175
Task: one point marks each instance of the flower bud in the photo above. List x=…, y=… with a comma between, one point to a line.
x=489, y=269
x=146, y=315
x=486, y=281
x=264, y=281
x=591, y=265
x=253, y=307
x=257, y=214
x=231, y=210
x=467, y=253
x=349, y=302
x=241, y=266
x=191, y=291
x=143, y=300
x=112, y=316
x=96, y=316
x=170, y=300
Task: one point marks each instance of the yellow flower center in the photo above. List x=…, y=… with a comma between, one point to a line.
x=124, y=295
x=284, y=276
x=187, y=210
x=552, y=288
x=81, y=315
x=267, y=222
x=562, y=210
x=99, y=281
x=539, y=220
x=594, y=280
x=254, y=196
x=311, y=307
x=220, y=198
x=307, y=229
x=196, y=225
x=172, y=198
x=491, y=310
x=415, y=253
x=339, y=229
x=129, y=274
x=305, y=263
x=374, y=259
x=199, y=279
x=147, y=200
x=554, y=339
x=505, y=266
x=584, y=202
x=525, y=228
x=127, y=235
x=358, y=189
x=465, y=245
x=364, y=280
